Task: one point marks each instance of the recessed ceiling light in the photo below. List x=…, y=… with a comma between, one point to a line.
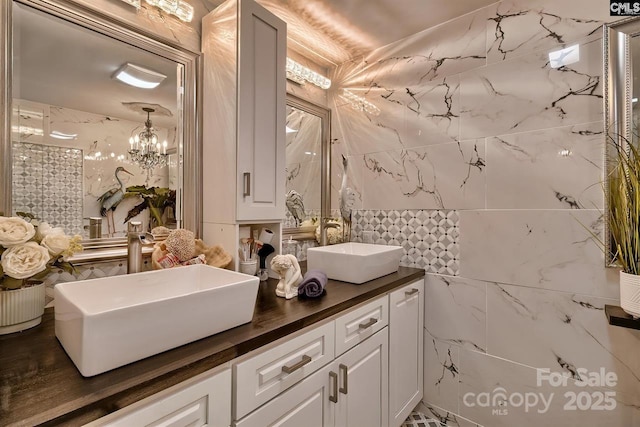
x=138, y=76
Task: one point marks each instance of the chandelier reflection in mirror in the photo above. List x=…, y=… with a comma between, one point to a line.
x=145, y=149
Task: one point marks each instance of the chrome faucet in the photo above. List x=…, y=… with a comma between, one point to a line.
x=136, y=239
x=324, y=224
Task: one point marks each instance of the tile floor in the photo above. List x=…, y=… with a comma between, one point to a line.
x=418, y=419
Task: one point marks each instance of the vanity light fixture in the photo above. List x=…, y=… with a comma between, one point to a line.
x=59, y=135
x=135, y=75
x=145, y=149
x=300, y=74
x=359, y=103
x=179, y=8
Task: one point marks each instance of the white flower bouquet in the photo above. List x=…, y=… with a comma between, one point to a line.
x=29, y=249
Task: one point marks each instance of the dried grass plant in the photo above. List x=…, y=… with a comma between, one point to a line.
x=623, y=206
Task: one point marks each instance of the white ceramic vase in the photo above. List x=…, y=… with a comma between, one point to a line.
x=630, y=293
x=21, y=309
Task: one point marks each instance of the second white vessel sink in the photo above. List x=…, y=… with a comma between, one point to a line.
x=354, y=262
x=110, y=322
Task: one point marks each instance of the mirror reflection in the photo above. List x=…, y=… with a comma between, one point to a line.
x=307, y=172
x=304, y=151
x=88, y=141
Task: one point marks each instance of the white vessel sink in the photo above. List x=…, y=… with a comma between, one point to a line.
x=110, y=322
x=354, y=262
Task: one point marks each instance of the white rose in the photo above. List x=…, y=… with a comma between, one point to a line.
x=25, y=260
x=56, y=243
x=15, y=231
x=44, y=229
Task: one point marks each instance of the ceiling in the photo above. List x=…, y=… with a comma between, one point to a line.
x=62, y=64
x=58, y=63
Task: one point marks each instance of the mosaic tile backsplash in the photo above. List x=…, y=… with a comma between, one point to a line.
x=47, y=182
x=429, y=237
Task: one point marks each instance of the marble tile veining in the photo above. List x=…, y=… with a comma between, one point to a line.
x=443, y=176
x=561, y=332
x=549, y=249
x=495, y=103
x=441, y=373
x=455, y=310
x=519, y=27
x=559, y=168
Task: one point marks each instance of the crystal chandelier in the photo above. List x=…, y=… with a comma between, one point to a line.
x=144, y=148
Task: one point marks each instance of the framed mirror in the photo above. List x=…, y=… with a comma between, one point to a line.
x=99, y=123
x=308, y=168
x=621, y=93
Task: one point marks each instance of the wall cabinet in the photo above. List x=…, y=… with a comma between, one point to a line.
x=244, y=94
x=406, y=321
x=243, y=123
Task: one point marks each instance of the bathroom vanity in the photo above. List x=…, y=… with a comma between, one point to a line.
x=355, y=352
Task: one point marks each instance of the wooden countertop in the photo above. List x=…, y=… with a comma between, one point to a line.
x=39, y=384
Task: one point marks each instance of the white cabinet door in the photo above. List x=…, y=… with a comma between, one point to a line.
x=262, y=56
x=406, y=320
x=363, y=384
x=201, y=401
x=306, y=404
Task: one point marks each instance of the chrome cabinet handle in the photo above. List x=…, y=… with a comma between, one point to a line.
x=411, y=292
x=372, y=321
x=333, y=395
x=247, y=184
x=289, y=369
x=345, y=379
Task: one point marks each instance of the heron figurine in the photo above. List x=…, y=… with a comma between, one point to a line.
x=110, y=200
x=347, y=200
x=295, y=205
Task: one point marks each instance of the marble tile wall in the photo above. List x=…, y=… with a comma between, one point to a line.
x=475, y=120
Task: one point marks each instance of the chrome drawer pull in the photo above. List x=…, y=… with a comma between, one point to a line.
x=333, y=395
x=289, y=369
x=247, y=184
x=345, y=381
x=411, y=292
x=372, y=321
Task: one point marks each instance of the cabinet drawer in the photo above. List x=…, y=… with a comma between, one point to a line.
x=267, y=374
x=360, y=324
x=307, y=404
x=196, y=402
